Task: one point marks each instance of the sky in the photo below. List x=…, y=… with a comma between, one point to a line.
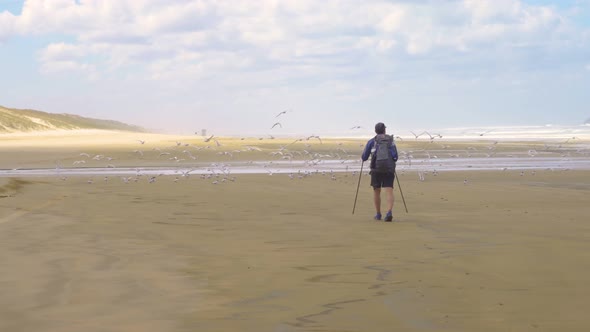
x=230, y=66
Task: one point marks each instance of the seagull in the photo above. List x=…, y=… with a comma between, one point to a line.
x=141, y=141
x=253, y=148
x=189, y=154
x=416, y=136
x=489, y=131
x=297, y=140
x=208, y=139
x=315, y=136
x=355, y=127
x=281, y=113
x=432, y=137
x=276, y=124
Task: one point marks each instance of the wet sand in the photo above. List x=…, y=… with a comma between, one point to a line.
x=499, y=252
x=267, y=253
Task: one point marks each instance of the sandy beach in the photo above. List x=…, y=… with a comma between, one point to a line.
x=478, y=251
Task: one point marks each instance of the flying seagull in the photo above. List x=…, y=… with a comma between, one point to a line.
x=314, y=136
x=356, y=127
x=276, y=124
x=281, y=113
x=416, y=136
x=489, y=131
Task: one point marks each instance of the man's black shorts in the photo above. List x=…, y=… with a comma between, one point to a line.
x=382, y=180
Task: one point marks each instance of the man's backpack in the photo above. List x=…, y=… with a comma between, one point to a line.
x=382, y=160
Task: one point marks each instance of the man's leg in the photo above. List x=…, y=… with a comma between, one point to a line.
x=377, y=199
x=390, y=198
x=389, y=215
x=388, y=185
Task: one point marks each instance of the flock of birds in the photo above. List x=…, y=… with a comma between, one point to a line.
x=305, y=156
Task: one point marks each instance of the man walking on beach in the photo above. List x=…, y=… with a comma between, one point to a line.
x=383, y=154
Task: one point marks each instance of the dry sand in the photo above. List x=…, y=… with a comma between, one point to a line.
x=265, y=253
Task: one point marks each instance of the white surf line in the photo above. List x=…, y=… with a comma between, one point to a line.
x=278, y=167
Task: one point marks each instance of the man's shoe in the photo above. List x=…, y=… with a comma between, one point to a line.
x=377, y=216
x=388, y=216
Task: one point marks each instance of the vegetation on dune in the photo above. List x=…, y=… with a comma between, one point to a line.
x=23, y=120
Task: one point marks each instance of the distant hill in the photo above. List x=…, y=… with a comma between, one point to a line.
x=17, y=120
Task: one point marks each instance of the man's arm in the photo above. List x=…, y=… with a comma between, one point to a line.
x=394, y=152
x=368, y=149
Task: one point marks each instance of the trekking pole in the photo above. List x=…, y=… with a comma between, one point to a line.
x=400, y=191
x=357, y=187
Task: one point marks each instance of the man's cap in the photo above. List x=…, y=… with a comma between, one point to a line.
x=380, y=127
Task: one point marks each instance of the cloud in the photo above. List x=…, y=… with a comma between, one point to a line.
x=285, y=33
x=243, y=50
x=7, y=20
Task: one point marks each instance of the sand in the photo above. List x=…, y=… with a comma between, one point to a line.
x=503, y=252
